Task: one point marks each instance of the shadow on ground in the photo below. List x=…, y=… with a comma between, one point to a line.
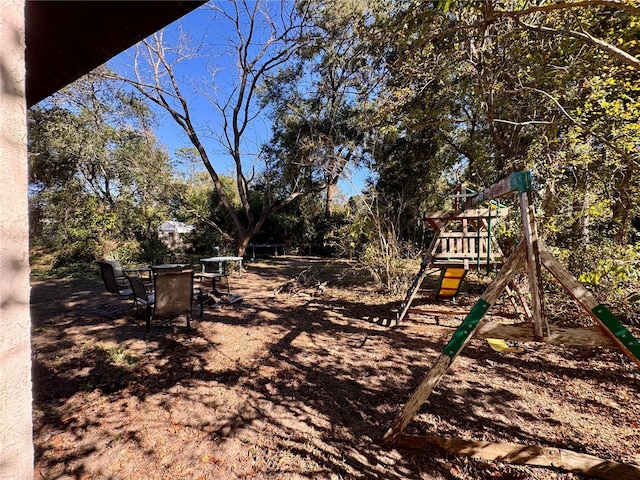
x=296, y=385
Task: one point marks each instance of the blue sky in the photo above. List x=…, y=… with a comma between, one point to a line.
x=200, y=25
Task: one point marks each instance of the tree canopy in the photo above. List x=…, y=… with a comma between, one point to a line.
x=425, y=95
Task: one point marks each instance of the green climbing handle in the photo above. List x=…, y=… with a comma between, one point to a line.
x=624, y=336
x=466, y=328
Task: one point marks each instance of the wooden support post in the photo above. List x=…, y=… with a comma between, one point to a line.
x=458, y=341
x=516, y=295
x=419, y=278
x=523, y=332
x=541, y=326
x=610, y=333
x=610, y=324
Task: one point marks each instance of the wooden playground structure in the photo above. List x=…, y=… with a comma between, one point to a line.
x=461, y=249
x=463, y=240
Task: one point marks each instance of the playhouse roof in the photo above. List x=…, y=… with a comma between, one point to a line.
x=176, y=227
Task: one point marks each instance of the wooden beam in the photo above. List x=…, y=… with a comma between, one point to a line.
x=463, y=256
x=517, y=293
x=460, y=312
x=526, y=455
x=517, y=181
x=436, y=224
x=523, y=332
x=458, y=341
x=453, y=262
x=468, y=234
x=419, y=278
x=472, y=214
x=536, y=288
x=620, y=335
x=497, y=190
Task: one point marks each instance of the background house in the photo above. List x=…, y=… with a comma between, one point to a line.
x=176, y=235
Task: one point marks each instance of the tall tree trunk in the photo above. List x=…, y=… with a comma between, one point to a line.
x=329, y=200
x=580, y=224
x=622, y=211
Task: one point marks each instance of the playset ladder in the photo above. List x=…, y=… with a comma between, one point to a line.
x=450, y=282
x=462, y=240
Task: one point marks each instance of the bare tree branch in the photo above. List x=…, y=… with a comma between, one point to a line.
x=613, y=146
x=154, y=72
x=600, y=44
x=626, y=7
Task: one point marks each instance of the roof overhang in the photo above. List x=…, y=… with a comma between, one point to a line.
x=68, y=39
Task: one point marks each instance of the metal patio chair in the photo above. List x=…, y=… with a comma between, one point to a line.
x=173, y=297
x=114, y=280
x=140, y=296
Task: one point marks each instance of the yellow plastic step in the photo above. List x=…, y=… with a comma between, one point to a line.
x=450, y=282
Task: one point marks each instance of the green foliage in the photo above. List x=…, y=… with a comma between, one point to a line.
x=197, y=203
x=98, y=185
x=426, y=94
x=610, y=272
x=53, y=131
x=608, y=262
x=365, y=235
x=127, y=251
x=302, y=226
x=492, y=95
x=72, y=262
x=154, y=251
x=477, y=90
x=320, y=103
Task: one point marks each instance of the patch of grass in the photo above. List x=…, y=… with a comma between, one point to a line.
x=118, y=355
x=41, y=329
x=115, y=355
x=48, y=265
x=113, y=366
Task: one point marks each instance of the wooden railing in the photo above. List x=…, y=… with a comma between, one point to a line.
x=456, y=248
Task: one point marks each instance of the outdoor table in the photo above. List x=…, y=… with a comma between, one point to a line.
x=137, y=270
x=265, y=246
x=221, y=262
x=214, y=277
x=143, y=273
x=168, y=265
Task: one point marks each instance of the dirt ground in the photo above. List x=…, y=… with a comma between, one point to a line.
x=299, y=382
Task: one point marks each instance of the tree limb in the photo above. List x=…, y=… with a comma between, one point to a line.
x=630, y=9
x=611, y=145
x=596, y=42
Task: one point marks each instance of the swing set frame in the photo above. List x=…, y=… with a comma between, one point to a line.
x=531, y=256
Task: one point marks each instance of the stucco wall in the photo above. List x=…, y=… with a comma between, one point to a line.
x=16, y=444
